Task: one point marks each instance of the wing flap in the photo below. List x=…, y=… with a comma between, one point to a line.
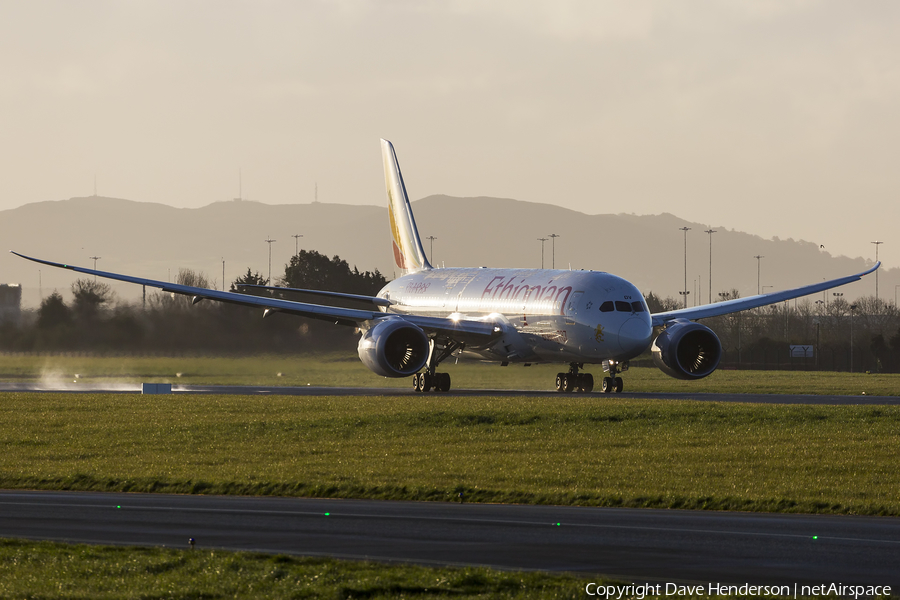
x=356, y=297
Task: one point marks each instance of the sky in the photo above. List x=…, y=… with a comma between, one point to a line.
x=778, y=118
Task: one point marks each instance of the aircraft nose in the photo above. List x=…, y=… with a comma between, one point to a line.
x=634, y=336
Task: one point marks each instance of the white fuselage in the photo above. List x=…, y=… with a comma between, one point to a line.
x=545, y=315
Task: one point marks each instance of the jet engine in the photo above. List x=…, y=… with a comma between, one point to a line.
x=394, y=348
x=687, y=350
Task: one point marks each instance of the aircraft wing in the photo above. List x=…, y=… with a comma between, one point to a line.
x=358, y=297
x=731, y=306
x=462, y=330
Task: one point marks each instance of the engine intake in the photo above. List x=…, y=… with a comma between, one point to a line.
x=394, y=348
x=687, y=350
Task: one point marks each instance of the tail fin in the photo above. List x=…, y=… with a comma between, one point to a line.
x=409, y=255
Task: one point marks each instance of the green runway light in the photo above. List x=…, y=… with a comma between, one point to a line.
x=815, y=537
x=557, y=524
x=327, y=514
x=119, y=506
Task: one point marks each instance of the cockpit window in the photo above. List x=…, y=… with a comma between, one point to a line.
x=637, y=306
x=607, y=306
x=623, y=306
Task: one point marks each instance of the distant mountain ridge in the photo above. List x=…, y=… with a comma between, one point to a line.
x=155, y=240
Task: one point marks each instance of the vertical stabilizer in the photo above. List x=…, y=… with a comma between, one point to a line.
x=409, y=255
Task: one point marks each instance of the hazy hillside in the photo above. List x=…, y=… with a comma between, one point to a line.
x=155, y=240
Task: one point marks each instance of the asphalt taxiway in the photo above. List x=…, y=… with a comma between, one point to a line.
x=632, y=544
x=132, y=388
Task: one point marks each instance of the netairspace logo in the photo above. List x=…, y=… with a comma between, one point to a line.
x=641, y=591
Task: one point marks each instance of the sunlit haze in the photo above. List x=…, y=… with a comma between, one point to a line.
x=774, y=118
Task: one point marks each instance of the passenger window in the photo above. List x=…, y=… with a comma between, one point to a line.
x=623, y=306
x=607, y=306
x=637, y=306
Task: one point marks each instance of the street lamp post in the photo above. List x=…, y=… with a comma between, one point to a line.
x=553, y=236
x=95, y=259
x=877, y=243
x=431, y=239
x=296, y=237
x=852, y=308
x=685, y=292
x=816, y=321
x=710, y=231
x=758, y=260
x=270, y=241
x=542, y=240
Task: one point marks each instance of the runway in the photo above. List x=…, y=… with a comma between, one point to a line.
x=134, y=388
x=631, y=544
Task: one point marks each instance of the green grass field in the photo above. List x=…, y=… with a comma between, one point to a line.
x=565, y=450
x=47, y=570
x=346, y=370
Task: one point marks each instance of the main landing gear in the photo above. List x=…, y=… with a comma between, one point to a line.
x=573, y=381
x=430, y=379
x=425, y=382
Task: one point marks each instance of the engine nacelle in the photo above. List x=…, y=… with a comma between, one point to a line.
x=394, y=348
x=687, y=350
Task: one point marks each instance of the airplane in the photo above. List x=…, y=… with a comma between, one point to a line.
x=428, y=314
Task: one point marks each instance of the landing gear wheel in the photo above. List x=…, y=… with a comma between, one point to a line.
x=607, y=385
x=586, y=382
x=618, y=385
x=560, y=382
x=422, y=382
x=571, y=380
x=442, y=382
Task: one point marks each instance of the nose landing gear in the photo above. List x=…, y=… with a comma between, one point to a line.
x=613, y=383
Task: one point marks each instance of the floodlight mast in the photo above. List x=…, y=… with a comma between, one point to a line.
x=269, y=241
x=542, y=240
x=710, y=231
x=553, y=236
x=95, y=259
x=877, y=243
x=758, y=259
x=431, y=239
x=685, y=291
